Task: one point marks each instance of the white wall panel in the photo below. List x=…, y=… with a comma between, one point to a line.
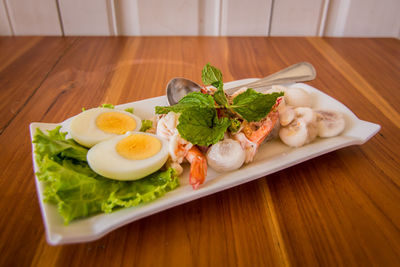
x=127, y=16
x=5, y=27
x=87, y=17
x=173, y=17
x=39, y=17
x=362, y=18
x=245, y=17
x=357, y=18
x=209, y=17
x=296, y=18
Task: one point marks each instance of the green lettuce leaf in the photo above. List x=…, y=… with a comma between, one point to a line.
x=54, y=143
x=146, y=124
x=78, y=191
x=253, y=106
x=130, y=110
x=110, y=106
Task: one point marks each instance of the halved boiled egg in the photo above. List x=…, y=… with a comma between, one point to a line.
x=128, y=157
x=98, y=124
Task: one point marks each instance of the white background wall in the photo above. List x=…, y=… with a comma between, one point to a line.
x=358, y=18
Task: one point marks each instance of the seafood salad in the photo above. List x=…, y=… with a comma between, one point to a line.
x=116, y=159
x=211, y=128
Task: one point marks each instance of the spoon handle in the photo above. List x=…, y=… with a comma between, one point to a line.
x=300, y=72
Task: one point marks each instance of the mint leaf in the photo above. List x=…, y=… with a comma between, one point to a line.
x=210, y=75
x=201, y=126
x=253, y=106
x=220, y=97
x=191, y=100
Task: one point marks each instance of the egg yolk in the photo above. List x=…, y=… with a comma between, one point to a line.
x=138, y=146
x=115, y=122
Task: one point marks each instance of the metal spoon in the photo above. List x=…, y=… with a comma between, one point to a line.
x=300, y=72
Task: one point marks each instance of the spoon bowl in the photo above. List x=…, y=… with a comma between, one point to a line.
x=179, y=87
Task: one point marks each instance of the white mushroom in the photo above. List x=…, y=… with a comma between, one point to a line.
x=329, y=123
x=295, y=134
x=302, y=130
x=286, y=113
x=226, y=155
x=297, y=97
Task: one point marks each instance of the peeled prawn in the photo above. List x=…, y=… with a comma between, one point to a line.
x=264, y=129
x=250, y=139
x=198, y=167
x=179, y=149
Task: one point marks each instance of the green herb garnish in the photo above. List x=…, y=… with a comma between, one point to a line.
x=130, y=110
x=199, y=122
x=146, y=124
x=111, y=106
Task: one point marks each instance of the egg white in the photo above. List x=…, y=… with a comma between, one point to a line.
x=104, y=159
x=83, y=128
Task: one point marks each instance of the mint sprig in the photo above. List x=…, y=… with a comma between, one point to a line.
x=210, y=75
x=202, y=126
x=199, y=122
x=189, y=101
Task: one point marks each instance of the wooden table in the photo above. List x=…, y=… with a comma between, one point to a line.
x=342, y=208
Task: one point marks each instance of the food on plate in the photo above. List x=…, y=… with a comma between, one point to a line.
x=330, y=123
x=116, y=160
x=201, y=120
x=78, y=191
x=229, y=129
x=128, y=157
x=98, y=124
x=302, y=129
x=286, y=113
x=226, y=155
x=180, y=149
x=297, y=97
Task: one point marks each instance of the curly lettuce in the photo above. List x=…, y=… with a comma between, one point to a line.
x=78, y=191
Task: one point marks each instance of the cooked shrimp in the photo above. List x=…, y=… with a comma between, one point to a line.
x=198, y=167
x=265, y=126
x=166, y=125
x=179, y=149
x=251, y=138
x=250, y=148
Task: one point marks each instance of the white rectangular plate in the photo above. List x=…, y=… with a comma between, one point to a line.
x=271, y=157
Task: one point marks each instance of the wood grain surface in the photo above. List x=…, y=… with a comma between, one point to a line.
x=340, y=209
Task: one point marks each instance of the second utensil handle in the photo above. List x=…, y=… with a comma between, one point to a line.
x=299, y=72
